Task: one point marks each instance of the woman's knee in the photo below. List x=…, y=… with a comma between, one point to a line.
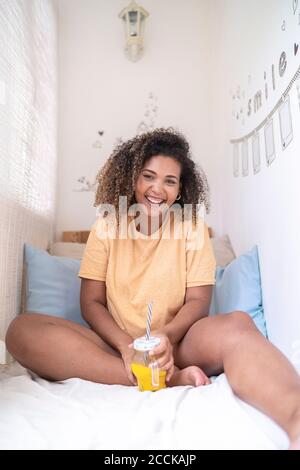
x=23, y=333
x=240, y=320
x=17, y=334
x=236, y=325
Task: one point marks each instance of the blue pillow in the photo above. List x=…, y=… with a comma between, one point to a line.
x=53, y=286
x=238, y=287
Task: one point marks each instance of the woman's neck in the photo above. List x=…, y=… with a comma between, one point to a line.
x=148, y=225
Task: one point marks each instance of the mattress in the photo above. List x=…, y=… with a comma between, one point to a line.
x=77, y=414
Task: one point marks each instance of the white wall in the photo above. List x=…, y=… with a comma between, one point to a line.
x=262, y=209
x=195, y=52
x=100, y=89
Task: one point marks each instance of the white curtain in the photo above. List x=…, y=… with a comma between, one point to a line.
x=28, y=140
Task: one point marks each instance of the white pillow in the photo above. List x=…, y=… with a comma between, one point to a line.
x=223, y=250
x=67, y=249
x=221, y=245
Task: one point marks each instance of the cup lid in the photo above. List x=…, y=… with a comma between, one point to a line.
x=144, y=344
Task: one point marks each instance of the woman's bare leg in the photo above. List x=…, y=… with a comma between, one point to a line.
x=58, y=349
x=256, y=370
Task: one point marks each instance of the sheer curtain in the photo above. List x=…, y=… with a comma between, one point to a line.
x=28, y=140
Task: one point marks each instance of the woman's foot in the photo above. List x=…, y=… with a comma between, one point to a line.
x=295, y=445
x=294, y=431
x=191, y=375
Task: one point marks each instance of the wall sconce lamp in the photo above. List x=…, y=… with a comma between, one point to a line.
x=134, y=20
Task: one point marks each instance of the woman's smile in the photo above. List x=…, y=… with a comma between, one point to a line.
x=155, y=201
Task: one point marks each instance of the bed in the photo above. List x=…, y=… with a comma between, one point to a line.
x=77, y=414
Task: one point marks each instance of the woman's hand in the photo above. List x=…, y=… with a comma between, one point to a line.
x=163, y=354
x=127, y=353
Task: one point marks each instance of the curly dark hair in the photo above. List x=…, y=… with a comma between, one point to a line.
x=119, y=174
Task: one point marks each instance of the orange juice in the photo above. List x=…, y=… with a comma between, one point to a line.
x=145, y=367
x=144, y=377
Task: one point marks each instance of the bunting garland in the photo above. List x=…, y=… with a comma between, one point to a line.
x=241, y=145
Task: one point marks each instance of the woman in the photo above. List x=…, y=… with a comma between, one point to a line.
x=120, y=274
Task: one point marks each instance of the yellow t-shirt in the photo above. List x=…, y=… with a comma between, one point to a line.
x=136, y=271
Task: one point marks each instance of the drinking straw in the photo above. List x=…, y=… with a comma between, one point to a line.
x=149, y=319
x=148, y=327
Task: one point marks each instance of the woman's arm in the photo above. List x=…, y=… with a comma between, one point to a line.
x=95, y=313
x=196, y=306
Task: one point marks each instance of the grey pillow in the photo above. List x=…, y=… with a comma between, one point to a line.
x=67, y=249
x=223, y=250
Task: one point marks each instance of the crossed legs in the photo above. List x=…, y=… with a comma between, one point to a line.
x=258, y=373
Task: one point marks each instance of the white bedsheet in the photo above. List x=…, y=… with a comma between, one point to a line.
x=76, y=414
